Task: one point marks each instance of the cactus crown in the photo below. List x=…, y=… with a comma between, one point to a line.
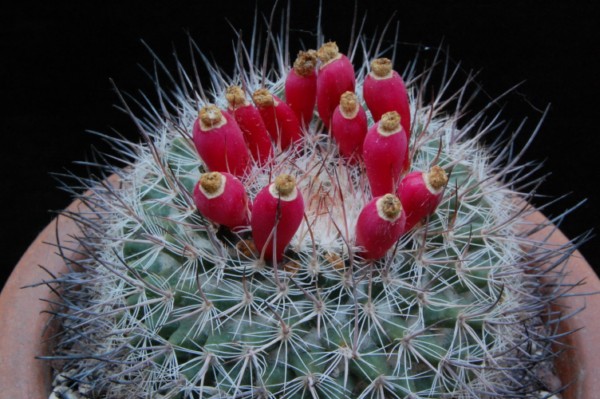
x=168, y=304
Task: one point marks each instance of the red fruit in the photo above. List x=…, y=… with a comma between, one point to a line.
x=301, y=86
x=336, y=76
x=277, y=212
x=281, y=122
x=349, y=126
x=385, y=151
x=421, y=193
x=220, y=141
x=221, y=198
x=251, y=124
x=379, y=225
x=385, y=91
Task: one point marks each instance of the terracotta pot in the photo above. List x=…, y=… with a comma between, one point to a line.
x=24, y=328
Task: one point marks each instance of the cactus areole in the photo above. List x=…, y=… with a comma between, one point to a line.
x=243, y=256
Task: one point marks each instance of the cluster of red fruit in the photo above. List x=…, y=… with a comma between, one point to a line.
x=226, y=140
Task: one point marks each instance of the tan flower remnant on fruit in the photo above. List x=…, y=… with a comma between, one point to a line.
x=349, y=105
x=285, y=184
x=263, y=98
x=212, y=184
x=235, y=97
x=305, y=63
x=381, y=68
x=210, y=117
x=389, y=123
x=437, y=178
x=389, y=207
x=328, y=52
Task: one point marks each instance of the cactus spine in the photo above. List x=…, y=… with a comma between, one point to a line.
x=167, y=303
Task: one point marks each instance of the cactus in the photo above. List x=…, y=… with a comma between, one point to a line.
x=342, y=297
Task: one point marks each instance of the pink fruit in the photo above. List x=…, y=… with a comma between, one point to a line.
x=385, y=91
x=349, y=126
x=335, y=77
x=251, y=124
x=301, y=86
x=220, y=142
x=221, y=198
x=385, y=152
x=281, y=122
x=379, y=226
x=421, y=193
x=277, y=212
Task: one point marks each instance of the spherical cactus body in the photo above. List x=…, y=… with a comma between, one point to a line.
x=306, y=273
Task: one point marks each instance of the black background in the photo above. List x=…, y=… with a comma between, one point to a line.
x=57, y=57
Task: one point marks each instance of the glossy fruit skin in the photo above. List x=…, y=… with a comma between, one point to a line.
x=270, y=212
x=417, y=200
x=349, y=134
x=375, y=235
x=388, y=94
x=223, y=149
x=385, y=159
x=334, y=79
x=301, y=95
x=255, y=132
x=230, y=208
x=281, y=123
